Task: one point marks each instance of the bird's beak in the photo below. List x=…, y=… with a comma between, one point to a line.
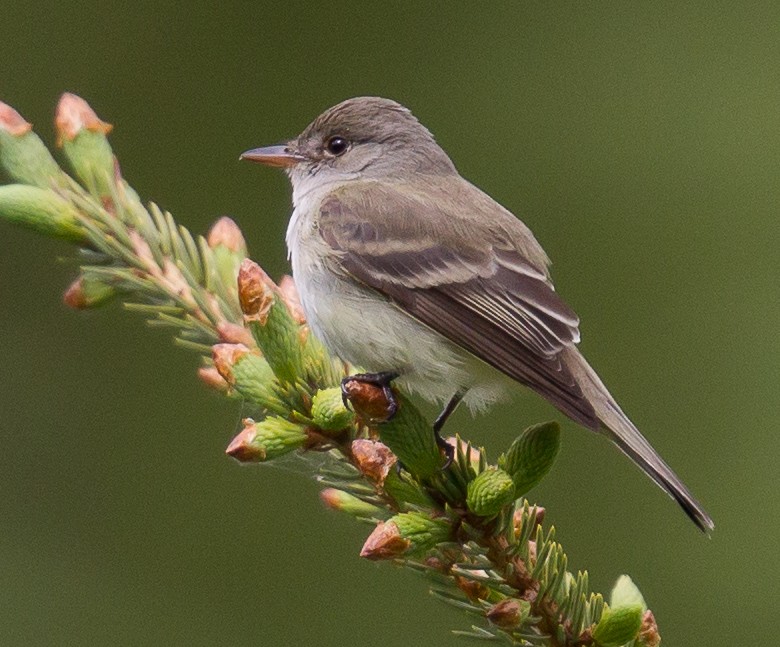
x=283, y=155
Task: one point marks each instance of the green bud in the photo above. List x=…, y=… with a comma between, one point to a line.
x=328, y=410
x=82, y=135
x=23, y=156
x=88, y=292
x=410, y=437
x=266, y=440
x=40, y=210
x=618, y=626
x=276, y=333
x=531, y=455
x=405, y=534
x=279, y=339
x=349, y=503
x=489, y=492
x=254, y=379
x=421, y=531
x=228, y=249
x=626, y=594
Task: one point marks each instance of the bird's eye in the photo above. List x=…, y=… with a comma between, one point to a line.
x=337, y=146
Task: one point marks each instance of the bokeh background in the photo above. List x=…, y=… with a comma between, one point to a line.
x=641, y=142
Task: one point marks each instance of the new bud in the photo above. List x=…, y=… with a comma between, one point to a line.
x=23, y=156
x=328, y=410
x=266, y=440
x=408, y=533
x=349, y=503
x=82, y=136
x=489, y=492
x=225, y=233
x=87, y=292
x=531, y=455
x=618, y=626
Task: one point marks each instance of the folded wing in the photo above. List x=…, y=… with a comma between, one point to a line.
x=483, y=286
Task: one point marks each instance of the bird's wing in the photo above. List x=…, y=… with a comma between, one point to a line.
x=485, y=286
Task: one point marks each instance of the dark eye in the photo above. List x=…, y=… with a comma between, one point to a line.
x=337, y=145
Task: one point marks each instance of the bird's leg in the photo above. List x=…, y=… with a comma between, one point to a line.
x=381, y=380
x=448, y=410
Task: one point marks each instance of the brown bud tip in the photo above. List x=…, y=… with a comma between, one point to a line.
x=74, y=296
x=648, y=632
x=290, y=297
x=234, y=334
x=368, y=401
x=373, y=458
x=12, y=122
x=506, y=613
x=210, y=376
x=225, y=356
x=241, y=447
x=255, y=291
x=226, y=232
x=385, y=543
x=74, y=115
x=473, y=589
x=331, y=497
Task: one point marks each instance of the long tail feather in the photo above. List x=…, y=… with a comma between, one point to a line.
x=626, y=436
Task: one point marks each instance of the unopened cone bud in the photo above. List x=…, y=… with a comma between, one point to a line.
x=225, y=233
x=618, y=626
x=385, y=542
x=74, y=115
x=531, y=455
x=266, y=440
x=408, y=533
x=328, y=411
x=349, y=503
x=87, y=292
x=255, y=293
x=225, y=357
x=625, y=593
x=82, y=136
x=12, y=122
x=23, y=156
x=489, y=492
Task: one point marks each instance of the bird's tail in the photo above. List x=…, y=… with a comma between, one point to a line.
x=626, y=436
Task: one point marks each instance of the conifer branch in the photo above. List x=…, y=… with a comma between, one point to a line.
x=465, y=526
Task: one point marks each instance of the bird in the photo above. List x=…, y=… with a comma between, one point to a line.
x=406, y=269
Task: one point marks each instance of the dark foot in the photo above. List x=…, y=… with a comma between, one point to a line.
x=381, y=380
x=448, y=449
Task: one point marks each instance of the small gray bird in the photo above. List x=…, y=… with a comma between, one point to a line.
x=409, y=271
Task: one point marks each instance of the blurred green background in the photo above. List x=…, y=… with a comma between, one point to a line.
x=641, y=143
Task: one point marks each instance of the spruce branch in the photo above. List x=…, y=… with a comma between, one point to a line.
x=465, y=525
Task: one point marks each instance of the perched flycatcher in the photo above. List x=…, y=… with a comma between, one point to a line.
x=408, y=270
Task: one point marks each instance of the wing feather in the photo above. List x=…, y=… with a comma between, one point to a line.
x=488, y=291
